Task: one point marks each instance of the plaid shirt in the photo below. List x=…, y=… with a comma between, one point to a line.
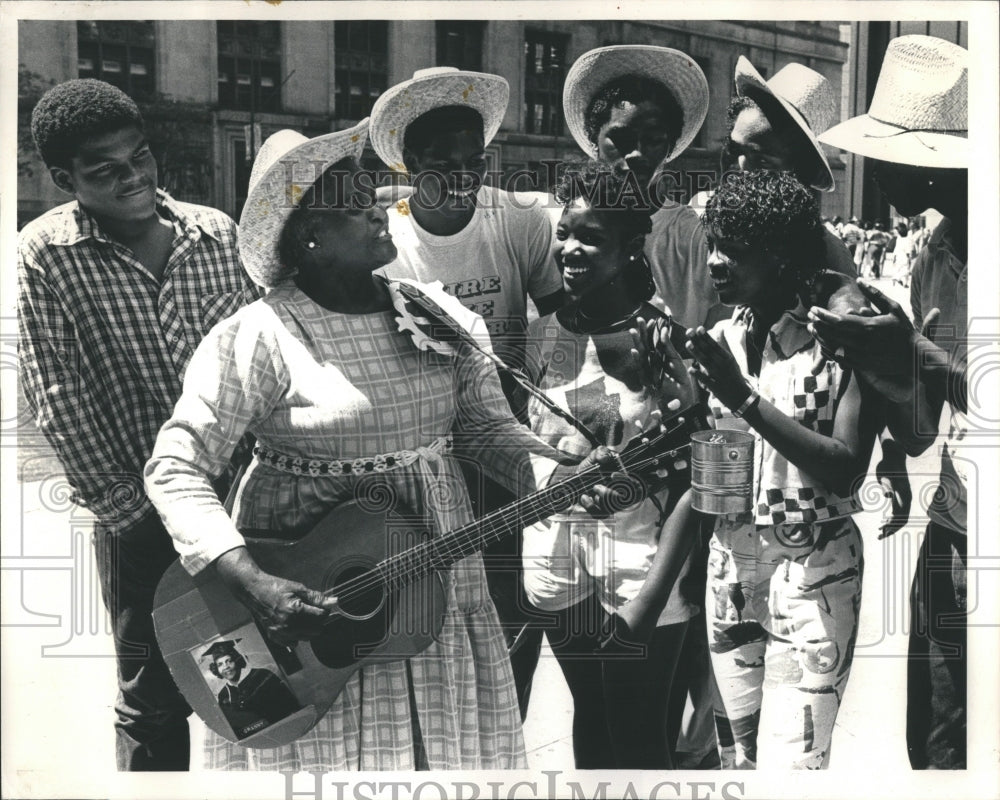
x=103, y=345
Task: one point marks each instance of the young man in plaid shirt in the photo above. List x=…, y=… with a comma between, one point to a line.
x=115, y=290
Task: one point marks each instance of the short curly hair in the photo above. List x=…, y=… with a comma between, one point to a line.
x=615, y=193
x=632, y=89
x=770, y=210
x=72, y=112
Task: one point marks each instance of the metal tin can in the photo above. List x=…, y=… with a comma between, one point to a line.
x=722, y=471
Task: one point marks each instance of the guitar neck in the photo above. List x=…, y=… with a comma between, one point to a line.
x=442, y=552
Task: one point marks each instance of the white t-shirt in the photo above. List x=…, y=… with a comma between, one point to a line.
x=571, y=555
x=492, y=265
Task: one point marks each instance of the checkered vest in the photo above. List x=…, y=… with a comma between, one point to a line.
x=802, y=383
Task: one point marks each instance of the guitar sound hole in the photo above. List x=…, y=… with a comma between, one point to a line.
x=359, y=594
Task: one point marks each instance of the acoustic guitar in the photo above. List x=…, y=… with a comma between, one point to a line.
x=383, y=566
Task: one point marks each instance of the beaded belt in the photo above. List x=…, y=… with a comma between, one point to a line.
x=314, y=467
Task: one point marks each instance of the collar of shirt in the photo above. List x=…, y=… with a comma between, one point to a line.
x=940, y=246
x=787, y=336
x=80, y=224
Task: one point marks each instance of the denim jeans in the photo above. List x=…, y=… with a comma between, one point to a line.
x=620, y=699
x=151, y=728
x=937, y=663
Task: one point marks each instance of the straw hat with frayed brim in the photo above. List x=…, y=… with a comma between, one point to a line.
x=432, y=88
x=287, y=165
x=806, y=96
x=677, y=71
x=919, y=113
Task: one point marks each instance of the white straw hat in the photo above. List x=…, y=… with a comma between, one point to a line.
x=432, y=88
x=677, y=71
x=919, y=113
x=807, y=98
x=287, y=165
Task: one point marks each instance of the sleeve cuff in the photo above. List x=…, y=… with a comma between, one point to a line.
x=197, y=556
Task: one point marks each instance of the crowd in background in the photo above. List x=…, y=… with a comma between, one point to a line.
x=880, y=251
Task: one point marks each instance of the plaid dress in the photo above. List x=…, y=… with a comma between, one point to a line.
x=320, y=385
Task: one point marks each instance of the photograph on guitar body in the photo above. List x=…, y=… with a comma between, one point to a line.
x=246, y=680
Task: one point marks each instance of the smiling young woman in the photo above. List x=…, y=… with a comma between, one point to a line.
x=611, y=358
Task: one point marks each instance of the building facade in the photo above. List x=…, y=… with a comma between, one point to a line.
x=212, y=90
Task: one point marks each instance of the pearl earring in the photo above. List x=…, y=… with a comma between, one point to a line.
x=312, y=245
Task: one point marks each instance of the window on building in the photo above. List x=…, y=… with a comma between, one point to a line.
x=249, y=65
x=120, y=52
x=362, y=66
x=544, y=71
x=460, y=44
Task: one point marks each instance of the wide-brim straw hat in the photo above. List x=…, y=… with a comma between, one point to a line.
x=806, y=96
x=432, y=88
x=919, y=113
x=287, y=165
x=677, y=71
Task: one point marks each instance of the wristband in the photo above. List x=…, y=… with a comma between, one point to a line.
x=751, y=402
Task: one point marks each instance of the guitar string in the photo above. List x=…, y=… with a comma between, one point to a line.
x=455, y=544
x=402, y=568
x=399, y=569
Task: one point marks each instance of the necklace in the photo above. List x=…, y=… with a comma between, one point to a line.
x=597, y=324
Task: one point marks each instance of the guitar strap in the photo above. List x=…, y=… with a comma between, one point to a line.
x=437, y=315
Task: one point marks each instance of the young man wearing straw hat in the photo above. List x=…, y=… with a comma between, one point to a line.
x=640, y=106
x=774, y=125
x=489, y=247
x=916, y=131
x=115, y=290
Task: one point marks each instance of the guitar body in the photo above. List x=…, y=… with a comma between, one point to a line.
x=384, y=570
x=374, y=626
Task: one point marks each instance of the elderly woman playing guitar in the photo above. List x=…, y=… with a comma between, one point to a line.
x=344, y=407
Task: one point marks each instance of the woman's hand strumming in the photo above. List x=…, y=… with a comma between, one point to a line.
x=287, y=610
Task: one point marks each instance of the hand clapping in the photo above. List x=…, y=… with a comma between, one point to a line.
x=879, y=344
x=661, y=367
x=716, y=369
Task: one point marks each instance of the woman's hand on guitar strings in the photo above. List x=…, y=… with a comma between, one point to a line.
x=620, y=491
x=287, y=610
